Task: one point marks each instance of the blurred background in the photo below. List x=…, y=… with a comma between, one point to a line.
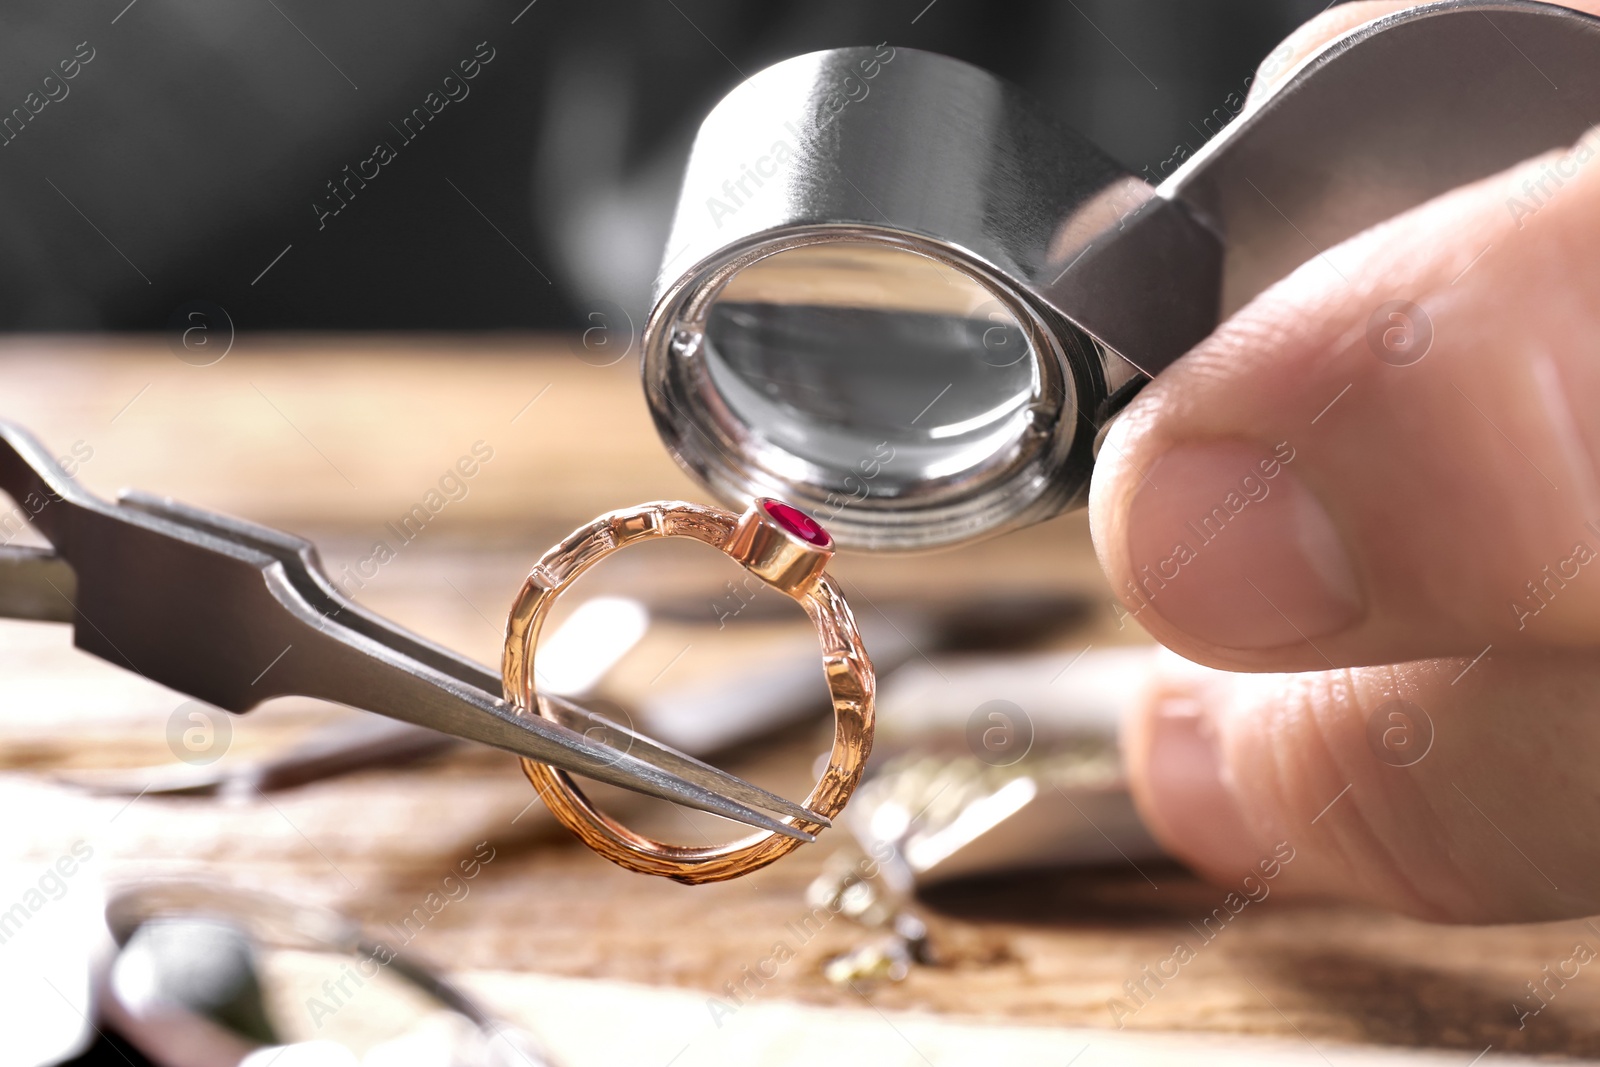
x=216, y=152
x=403, y=213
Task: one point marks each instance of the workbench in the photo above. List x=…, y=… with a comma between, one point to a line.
x=336, y=437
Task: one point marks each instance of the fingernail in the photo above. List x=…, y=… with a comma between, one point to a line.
x=1195, y=807
x=1228, y=545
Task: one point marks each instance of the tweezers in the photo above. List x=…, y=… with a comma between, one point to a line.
x=232, y=614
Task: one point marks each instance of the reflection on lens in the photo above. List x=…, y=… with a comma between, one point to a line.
x=881, y=367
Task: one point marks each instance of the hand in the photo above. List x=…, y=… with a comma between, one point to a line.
x=1417, y=543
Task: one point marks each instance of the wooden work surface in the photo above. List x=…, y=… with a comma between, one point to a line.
x=335, y=438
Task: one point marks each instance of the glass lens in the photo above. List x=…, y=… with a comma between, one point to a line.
x=882, y=367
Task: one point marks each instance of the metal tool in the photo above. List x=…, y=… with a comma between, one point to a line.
x=210, y=975
x=1004, y=763
x=899, y=295
x=770, y=690
x=591, y=640
x=994, y=765
x=233, y=614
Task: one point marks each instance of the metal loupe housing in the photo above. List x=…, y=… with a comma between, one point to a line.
x=901, y=296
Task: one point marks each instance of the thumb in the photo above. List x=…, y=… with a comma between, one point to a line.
x=1390, y=455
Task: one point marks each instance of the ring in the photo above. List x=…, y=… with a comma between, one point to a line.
x=787, y=550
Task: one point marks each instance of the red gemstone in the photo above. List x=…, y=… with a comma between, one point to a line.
x=794, y=521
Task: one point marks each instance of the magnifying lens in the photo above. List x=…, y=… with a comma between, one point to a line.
x=900, y=295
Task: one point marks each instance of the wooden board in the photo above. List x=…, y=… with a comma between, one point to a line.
x=336, y=439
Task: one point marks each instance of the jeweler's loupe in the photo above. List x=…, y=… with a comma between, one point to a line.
x=901, y=296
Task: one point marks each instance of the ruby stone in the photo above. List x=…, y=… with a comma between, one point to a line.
x=796, y=522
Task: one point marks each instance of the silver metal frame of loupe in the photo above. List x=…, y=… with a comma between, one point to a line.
x=1113, y=278
x=1035, y=476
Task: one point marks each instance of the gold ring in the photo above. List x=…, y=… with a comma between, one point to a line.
x=783, y=547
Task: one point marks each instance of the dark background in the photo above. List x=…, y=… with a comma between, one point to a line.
x=187, y=154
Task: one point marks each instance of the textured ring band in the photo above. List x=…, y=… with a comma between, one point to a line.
x=787, y=550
